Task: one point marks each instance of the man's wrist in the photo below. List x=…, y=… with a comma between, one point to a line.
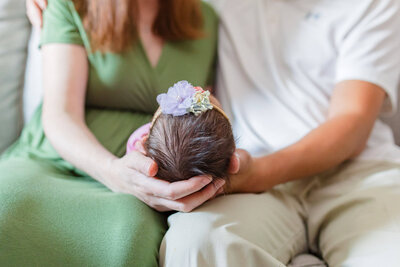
x=269, y=171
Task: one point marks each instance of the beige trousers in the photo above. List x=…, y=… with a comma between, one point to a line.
x=350, y=216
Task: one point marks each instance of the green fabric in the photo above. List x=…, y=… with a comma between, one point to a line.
x=52, y=214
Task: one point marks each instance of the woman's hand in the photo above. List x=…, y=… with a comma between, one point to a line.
x=64, y=109
x=34, y=10
x=134, y=174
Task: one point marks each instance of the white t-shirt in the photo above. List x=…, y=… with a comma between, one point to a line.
x=279, y=61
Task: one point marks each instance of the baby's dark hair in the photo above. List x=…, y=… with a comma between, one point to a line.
x=189, y=145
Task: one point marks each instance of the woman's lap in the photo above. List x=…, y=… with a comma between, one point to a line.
x=50, y=217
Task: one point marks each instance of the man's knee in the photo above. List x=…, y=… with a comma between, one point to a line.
x=191, y=240
x=188, y=238
x=207, y=238
x=360, y=227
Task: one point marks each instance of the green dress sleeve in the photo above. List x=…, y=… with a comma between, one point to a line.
x=59, y=25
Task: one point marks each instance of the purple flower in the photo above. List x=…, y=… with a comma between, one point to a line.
x=178, y=99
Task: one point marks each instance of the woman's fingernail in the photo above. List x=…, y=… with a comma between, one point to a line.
x=206, y=180
x=152, y=169
x=219, y=183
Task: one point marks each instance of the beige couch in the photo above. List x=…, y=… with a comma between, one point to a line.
x=14, y=35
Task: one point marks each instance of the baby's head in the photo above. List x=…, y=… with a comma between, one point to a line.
x=190, y=135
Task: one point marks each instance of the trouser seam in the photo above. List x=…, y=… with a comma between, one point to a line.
x=294, y=236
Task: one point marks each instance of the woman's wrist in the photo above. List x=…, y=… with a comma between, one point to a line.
x=106, y=170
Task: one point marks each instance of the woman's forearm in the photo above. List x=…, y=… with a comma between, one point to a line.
x=65, y=70
x=76, y=144
x=64, y=108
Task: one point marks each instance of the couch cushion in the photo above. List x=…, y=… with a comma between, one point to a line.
x=14, y=32
x=33, y=89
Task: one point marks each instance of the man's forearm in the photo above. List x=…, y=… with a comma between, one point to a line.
x=323, y=148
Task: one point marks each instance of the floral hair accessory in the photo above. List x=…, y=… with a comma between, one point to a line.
x=183, y=98
x=200, y=101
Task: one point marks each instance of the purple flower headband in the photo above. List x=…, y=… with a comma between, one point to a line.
x=183, y=98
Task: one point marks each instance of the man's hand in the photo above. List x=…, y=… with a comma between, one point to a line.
x=241, y=169
x=246, y=174
x=354, y=108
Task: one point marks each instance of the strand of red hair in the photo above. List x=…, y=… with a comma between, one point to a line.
x=112, y=24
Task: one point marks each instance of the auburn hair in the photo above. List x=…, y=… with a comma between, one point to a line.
x=112, y=24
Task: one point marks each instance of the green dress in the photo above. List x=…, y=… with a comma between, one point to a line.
x=52, y=214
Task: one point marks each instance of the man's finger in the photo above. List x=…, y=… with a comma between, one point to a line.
x=234, y=164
